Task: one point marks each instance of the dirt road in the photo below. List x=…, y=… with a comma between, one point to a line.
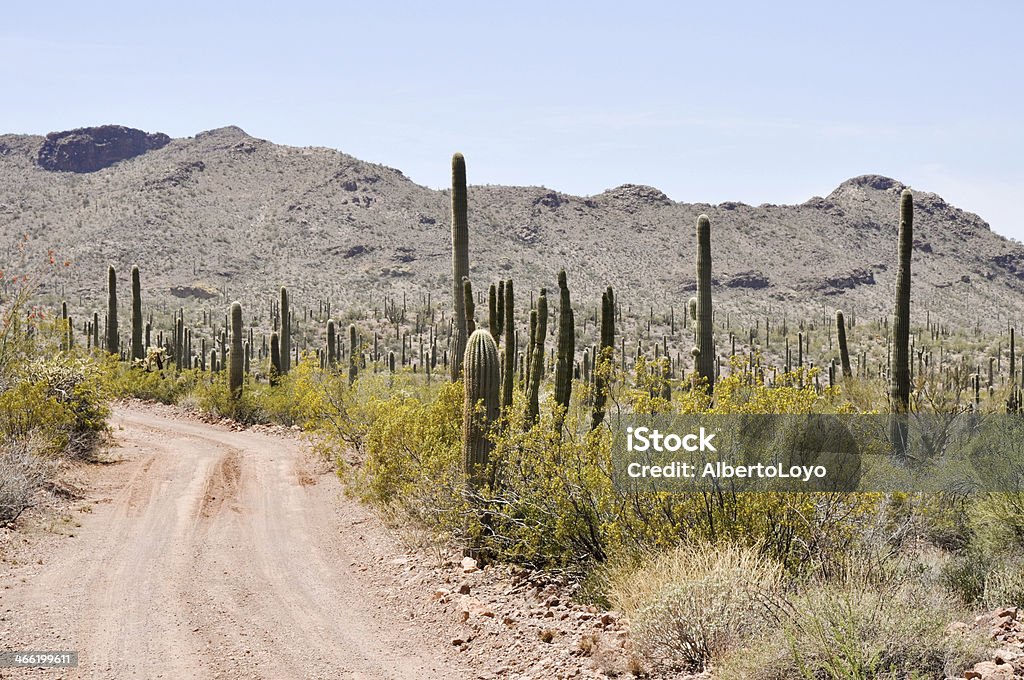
x=214, y=553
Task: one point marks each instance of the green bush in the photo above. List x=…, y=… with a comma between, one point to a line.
x=61, y=399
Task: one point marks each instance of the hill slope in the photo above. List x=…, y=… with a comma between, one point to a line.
x=225, y=212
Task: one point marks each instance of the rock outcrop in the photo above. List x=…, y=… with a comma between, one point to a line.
x=94, y=148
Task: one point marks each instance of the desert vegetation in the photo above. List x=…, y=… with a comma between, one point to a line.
x=487, y=416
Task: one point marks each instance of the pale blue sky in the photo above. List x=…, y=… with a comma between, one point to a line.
x=710, y=101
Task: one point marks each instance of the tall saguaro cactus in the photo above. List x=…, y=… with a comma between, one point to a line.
x=493, y=323
x=332, y=357
x=537, y=360
x=900, y=386
x=275, y=359
x=286, y=332
x=480, y=409
x=566, y=352
x=844, y=350
x=705, y=358
x=603, y=360
x=112, y=338
x=460, y=260
x=353, y=362
x=237, y=356
x=508, y=369
x=138, y=350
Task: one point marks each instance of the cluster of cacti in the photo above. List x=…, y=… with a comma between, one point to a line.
x=460, y=261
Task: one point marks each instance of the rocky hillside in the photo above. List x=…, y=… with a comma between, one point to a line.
x=225, y=214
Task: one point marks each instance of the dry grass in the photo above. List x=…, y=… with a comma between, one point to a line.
x=22, y=474
x=690, y=606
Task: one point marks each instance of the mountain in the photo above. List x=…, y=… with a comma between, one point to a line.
x=224, y=215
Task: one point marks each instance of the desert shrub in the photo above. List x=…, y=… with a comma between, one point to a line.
x=855, y=629
x=997, y=520
x=60, y=398
x=1004, y=585
x=166, y=386
x=690, y=606
x=23, y=471
x=212, y=395
x=965, y=575
x=553, y=502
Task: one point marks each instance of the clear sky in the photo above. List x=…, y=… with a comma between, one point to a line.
x=711, y=101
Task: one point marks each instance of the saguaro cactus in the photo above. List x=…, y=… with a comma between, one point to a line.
x=537, y=361
x=286, y=332
x=900, y=386
x=460, y=261
x=493, y=324
x=467, y=296
x=508, y=369
x=112, y=339
x=705, y=360
x=500, y=312
x=353, y=361
x=332, y=347
x=603, y=360
x=480, y=409
x=844, y=351
x=237, y=356
x=138, y=349
x=566, y=353
x=275, y=359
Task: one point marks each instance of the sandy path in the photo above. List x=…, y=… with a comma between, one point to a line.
x=216, y=553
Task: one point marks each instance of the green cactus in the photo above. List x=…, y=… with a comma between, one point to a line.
x=138, y=349
x=537, y=361
x=332, y=347
x=237, y=357
x=481, y=408
x=460, y=261
x=112, y=339
x=492, y=312
x=603, y=361
x=844, y=351
x=705, y=360
x=353, y=359
x=566, y=351
x=286, y=332
x=499, y=325
x=900, y=384
x=467, y=296
x=509, y=365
